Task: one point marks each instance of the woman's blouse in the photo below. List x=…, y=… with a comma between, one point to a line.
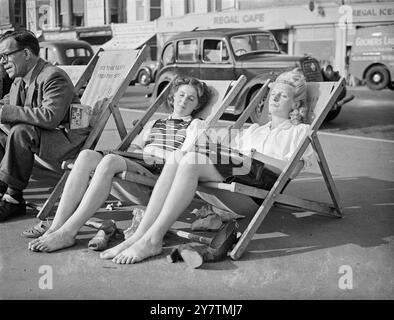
x=279, y=142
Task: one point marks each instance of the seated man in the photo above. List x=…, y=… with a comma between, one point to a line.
x=36, y=112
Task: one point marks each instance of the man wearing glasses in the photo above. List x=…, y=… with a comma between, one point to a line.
x=35, y=115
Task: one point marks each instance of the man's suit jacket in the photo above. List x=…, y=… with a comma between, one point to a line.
x=47, y=104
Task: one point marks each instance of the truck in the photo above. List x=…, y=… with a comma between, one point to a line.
x=372, y=56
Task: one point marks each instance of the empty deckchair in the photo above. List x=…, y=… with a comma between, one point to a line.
x=109, y=74
x=321, y=96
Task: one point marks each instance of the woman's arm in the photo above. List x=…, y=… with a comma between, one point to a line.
x=139, y=141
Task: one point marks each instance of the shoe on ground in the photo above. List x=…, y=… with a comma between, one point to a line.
x=10, y=210
x=36, y=231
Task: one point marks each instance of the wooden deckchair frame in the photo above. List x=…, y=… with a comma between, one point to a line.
x=107, y=108
x=275, y=195
x=149, y=181
x=234, y=88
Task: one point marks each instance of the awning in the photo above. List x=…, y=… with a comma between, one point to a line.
x=131, y=41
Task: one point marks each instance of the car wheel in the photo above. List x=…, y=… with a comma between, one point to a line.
x=260, y=115
x=143, y=78
x=377, y=78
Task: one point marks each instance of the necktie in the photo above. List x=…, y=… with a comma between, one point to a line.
x=22, y=92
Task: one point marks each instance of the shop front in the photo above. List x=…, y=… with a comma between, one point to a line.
x=326, y=32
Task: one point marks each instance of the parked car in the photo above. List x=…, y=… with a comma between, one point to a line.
x=66, y=52
x=372, y=56
x=225, y=54
x=146, y=73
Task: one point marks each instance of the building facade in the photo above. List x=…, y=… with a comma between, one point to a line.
x=322, y=28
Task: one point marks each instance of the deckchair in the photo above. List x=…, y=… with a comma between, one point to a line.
x=109, y=74
x=222, y=94
x=210, y=114
x=321, y=97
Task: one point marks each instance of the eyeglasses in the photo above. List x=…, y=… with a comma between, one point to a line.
x=4, y=56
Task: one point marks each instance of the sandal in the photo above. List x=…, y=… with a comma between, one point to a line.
x=36, y=231
x=100, y=241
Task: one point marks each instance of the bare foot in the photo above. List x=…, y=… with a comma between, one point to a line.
x=140, y=250
x=32, y=244
x=113, y=252
x=54, y=241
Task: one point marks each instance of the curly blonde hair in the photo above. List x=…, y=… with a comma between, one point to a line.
x=297, y=81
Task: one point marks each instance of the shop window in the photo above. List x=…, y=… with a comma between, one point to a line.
x=117, y=11
x=189, y=6
x=215, y=51
x=225, y=5
x=139, y=10
x=77, y=13
x=20, y=13
x=187, y=50
x=155, y=9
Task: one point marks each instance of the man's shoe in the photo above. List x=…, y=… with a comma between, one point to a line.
x=9, y=210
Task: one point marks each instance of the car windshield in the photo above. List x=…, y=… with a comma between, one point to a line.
x=253, y=42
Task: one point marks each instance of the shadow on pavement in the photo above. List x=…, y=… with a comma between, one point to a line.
x=367, y=221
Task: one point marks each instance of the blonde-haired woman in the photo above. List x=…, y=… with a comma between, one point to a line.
x=178, y=181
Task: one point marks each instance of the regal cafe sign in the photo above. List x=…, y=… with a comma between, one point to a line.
x=279, y=17
x=243, y=18
x=374, y=12
x=234, y=19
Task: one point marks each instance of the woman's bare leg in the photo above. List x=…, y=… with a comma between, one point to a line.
x=95, y=195
x=179, y=197
x=159, y=194
x=74, y=189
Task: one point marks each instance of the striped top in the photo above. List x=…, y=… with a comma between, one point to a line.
x=168, y=134
x=161, y=137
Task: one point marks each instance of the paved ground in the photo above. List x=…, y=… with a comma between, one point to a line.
x=292, y=256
